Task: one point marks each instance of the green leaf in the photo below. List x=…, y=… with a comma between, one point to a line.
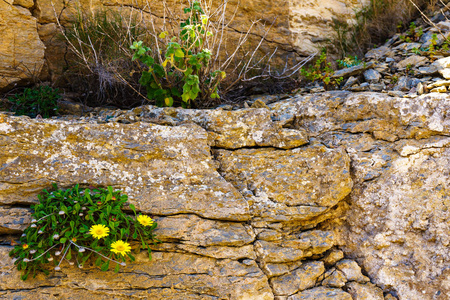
x=133, y=208
x=117, y=268
x=131, y=257
x=63, y=240
x=163, y=35
x=25, y=276
x=149, y=253
x=168, y=101
x=105, y=266
x=98, y=262
x=179, y=53
x=185, y=97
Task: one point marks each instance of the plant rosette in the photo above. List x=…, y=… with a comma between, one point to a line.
x=73, y=225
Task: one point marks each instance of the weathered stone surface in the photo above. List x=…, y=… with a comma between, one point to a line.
x=322, y=293
x=272, y=270
x=166, y=182
x=298, y=280
x=335, y=279
x=233, y=129
x=377, y=53
x=443, y=66
x=166, y=276
x=366, y=291
x=293, y=248
x=396, y=215
x=271, y=253
x=193, y=230
x=351, y=270
x=219, y=252
x=304, y=24
x=372, y=75
x=55, y=52
x=439, y=83
x=418, y=117
x=24, y=3
x=274, y=194
x=412, y=61
x=14, y=219
x=441, y=89
x=21, y=50
x=333, y=257
x=355, y=70
x=400, y=222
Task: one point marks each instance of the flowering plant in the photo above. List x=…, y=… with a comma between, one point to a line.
x=71, y=225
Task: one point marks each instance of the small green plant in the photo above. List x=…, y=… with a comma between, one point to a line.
x=321, y=71
x=349, y=61
x=41, y=101
x=183, y=71
x=431, y=51
x=71, y=225
x=394, y=79
x=417, y=51
x=413, y=34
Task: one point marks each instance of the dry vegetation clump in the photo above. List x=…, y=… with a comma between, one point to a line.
x=376, y=22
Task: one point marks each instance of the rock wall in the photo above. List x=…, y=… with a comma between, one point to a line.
x=326, y=196
x=297, y=27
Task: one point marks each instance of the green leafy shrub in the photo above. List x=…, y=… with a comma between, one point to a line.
x=73, y=224
x=322, y=71
x=41, y=101
x=182, y=72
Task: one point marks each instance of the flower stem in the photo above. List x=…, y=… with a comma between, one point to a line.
x=45, y=252
x=64, y=255
x=110, y=259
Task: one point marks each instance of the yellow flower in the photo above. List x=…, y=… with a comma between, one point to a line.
x=145, y=220
x=120, y=247
x=99, y=231
x=25, y=246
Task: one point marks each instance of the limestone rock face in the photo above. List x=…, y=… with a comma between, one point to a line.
x=167, y=276
x=311, y=21
x=21, y=50
x=398, y=214
x=296, y=192
x=221, y=238
x=404, y=222
x=356, y=206
x=164, y=183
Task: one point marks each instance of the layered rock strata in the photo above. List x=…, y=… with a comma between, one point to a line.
x=329, y=196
